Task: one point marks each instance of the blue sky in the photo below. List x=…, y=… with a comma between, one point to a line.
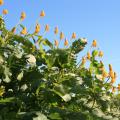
x=92, y=19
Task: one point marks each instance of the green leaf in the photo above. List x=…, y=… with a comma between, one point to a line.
x=7, y=100
x=94, y=53
x=98, y=112
x=20, y=75
x=46, y=42
x=78, y=45
x=61, y=91
x=40, y=116
x=55, y=116
x=7, y=74
x=22, y=26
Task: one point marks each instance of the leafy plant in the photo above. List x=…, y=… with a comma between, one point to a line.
x=41, y=81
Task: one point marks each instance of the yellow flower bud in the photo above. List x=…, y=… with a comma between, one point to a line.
x=56, y=30
x=74, y=35
x=83, y=60
x=66, y=42
x=56, y=43
x=100, y=54
x=94, y=43
x=37, y=28
x=113, y=89
x=101, y=62
x=113, y=80
x=23, y=16
x=102, y=68
x=111, y=74
x=61, y=35
x=110, y=67
x=5, y=11
x=88, y=56
x=104, y=74
x=115, y=75
x=1, y=2
x=42, y=14
x=118, y=87
x=24, y=31
x=47, y=28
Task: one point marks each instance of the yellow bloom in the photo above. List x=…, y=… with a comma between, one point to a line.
x=104, y=74
x=66, y=42
x=111, y=74
x=37, y=28
x=94, y=43
x=88, y=56
x=56, y=30
x=110, y=67
x=5, y=11
x=119, y=87
x=56, y=43
x=61, y=35
x=113, y=80
x=100, y=54
x=47, y=28
x=115, y=75
x=24, y=31
x=83, y=60
x=102, y=68
x=1, y=2
x=113, y=89
x=42, y=14
x=74, y=35
x=23, y=16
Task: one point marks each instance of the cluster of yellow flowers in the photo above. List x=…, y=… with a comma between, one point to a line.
x=115, y=88
x=38, y=27
x=113, y=77
x=62, y=36
x=47, y=28
x=88, y=56
x=112, y=74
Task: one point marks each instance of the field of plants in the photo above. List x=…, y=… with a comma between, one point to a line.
x=39, y=80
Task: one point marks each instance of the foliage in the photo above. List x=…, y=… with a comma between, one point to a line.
x=50, y=84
